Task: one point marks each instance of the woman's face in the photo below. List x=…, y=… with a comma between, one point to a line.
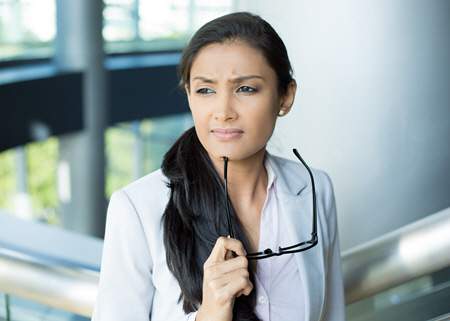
x=232, y=88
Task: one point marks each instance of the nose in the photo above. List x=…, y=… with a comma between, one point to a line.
x=225, y=110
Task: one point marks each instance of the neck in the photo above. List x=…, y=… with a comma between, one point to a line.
x=247, y=178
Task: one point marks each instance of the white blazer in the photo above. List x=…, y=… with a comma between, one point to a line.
x=136, y=284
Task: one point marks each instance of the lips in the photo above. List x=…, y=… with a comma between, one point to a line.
x=227, y=130
x=225, y=134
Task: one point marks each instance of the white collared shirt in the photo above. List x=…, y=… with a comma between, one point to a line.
x=279, y=290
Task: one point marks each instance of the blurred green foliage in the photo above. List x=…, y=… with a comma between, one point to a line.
x=7, y=178
x=156, y=135
x=119, y=142
x=42, y=164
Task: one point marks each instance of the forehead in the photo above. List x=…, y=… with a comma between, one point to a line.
x=230, y=59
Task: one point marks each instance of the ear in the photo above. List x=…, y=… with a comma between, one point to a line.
x=287, y=100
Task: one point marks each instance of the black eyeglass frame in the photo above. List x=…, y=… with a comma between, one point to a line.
x=299, y=247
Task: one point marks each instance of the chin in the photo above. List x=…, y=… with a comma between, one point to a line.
x=233, y=153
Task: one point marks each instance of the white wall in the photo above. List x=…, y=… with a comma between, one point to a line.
x=372, y=107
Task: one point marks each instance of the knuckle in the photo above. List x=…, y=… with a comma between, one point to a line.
x=243, y=261
x=249, y=290
x=221, y=240
x=245, y=273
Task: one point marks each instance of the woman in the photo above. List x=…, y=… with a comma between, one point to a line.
x=175, y=249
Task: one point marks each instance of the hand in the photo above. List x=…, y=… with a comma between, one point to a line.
x=224, y=278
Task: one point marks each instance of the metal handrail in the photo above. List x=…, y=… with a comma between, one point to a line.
x=444, y=317
x=66, y=288
x=410, y=252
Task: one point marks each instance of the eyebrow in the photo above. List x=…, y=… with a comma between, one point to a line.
x=234, y=80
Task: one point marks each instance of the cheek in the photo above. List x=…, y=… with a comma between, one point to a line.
x=201, y=124
x=262, y=118
x=262, y=128
x=197, y=114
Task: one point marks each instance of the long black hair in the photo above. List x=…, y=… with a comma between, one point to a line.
x=195, y=215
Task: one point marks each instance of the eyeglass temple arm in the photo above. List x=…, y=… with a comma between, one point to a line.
x=314, y=228
x=225, y=174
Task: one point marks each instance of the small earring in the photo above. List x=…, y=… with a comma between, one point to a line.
x=281, y=113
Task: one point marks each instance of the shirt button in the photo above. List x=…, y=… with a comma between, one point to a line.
x=262, y=299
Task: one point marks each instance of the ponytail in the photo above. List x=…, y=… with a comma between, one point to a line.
x=194, y=218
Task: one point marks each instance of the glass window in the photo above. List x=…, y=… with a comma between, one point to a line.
x=28, y=174
x=28, y=181
x=27, y=28
x=134, y=149
x=145, y=25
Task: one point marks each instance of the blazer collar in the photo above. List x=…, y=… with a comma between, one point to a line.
x=290, y=180
x=294, y=192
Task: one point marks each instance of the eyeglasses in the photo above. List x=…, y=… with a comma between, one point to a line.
x=299, y=247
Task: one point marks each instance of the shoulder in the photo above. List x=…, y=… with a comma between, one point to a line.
x=154, y=183
x=147, y=195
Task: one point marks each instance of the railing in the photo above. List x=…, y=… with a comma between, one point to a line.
x=412, y=251
x=415, y=250
x=69, y=289
x=444, y=317
x=49, y=265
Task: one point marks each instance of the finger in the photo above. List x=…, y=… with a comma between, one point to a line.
x=218, y=269
x=246, y=291
x=229, y=254
x=224, y=244
x=235, y=287
x=223, y=280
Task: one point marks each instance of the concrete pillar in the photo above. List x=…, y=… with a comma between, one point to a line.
x=81, y=169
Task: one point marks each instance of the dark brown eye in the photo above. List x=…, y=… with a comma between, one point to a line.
x=248, y=89
x=202, y=91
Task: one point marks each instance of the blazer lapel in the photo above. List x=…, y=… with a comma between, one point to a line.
x=295, y=203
